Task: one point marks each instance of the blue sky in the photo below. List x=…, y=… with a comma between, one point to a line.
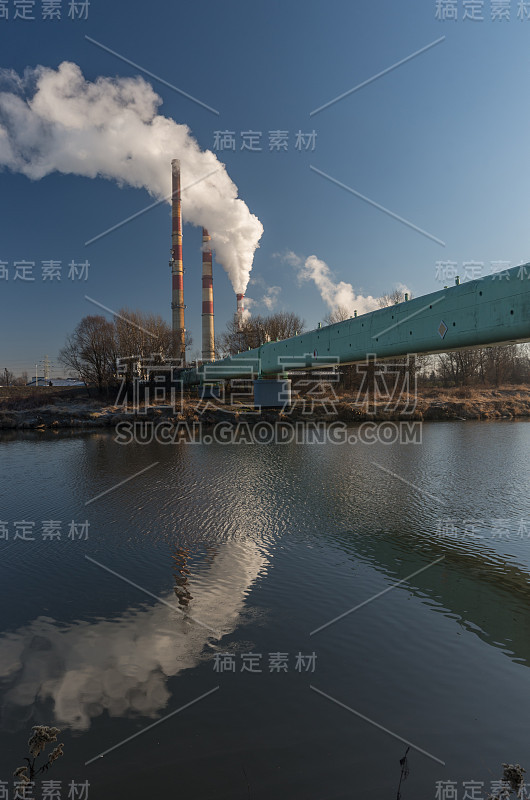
x=441, y=141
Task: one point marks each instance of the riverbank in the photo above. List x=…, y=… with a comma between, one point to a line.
x=75, y=411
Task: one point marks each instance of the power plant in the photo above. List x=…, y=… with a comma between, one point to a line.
x=481, y=312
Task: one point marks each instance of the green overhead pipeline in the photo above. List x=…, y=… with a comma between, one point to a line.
x=489, y=311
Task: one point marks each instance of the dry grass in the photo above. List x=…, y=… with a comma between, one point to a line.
x=20, y=398
x=70, y=406
x=467, y=402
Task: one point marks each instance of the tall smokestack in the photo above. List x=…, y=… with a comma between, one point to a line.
x=240, y=308
x=208, y=346
x=177, y=269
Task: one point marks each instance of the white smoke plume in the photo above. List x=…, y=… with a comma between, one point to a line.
x=270, y=298
x=270, y=295
x=56, y=121
x=339, y=295
x=246, y=313
x=335, y=295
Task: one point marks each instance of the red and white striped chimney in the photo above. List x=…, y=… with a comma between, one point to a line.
x=240, y=308
x=177, y=269
x=208, y=345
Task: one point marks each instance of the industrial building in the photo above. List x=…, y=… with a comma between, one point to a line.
x=488, y=311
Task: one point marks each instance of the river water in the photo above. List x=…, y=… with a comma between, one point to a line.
x=192, y=611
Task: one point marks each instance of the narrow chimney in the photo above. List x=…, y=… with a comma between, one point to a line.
x=208, y=347
x=240, y=308
x=177, y=270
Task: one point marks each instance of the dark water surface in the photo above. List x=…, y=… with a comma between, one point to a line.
x=250, y=549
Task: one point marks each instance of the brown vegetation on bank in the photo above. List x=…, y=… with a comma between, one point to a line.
x=467, y=402
x=19, y=398
x=42, y=409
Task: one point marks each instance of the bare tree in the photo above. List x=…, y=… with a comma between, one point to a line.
x=21, y=380
x=142, y=336
x=339, y=314
x=134, y=337
x=90, y=351
x=486, y=365
x=393, y=298
x=257, y=331
x=500, y=364
x=459, y=367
